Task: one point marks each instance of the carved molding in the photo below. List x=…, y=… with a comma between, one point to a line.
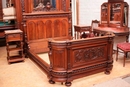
x=44, y=16
x=85, y=69
x=89, y=68
x=59, y=73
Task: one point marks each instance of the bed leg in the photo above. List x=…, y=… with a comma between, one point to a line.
x=51, y=81
x=62, y=83
x=68, y=84
x=107, y=72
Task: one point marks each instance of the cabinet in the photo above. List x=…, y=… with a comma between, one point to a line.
x=15, y=51
x=114, y=13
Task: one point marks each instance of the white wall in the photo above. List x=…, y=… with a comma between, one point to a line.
x=90, y=10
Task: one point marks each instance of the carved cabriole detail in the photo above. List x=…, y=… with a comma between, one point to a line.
x=89, y=54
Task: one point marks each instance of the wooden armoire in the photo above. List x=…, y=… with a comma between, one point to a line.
x=42, y=20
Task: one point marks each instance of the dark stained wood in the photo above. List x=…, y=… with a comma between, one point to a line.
x=114, y=18
x=72, y=59
x=17, y=37
x=121, y=31
x=40, y=27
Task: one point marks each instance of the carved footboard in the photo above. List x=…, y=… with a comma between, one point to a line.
x=73, y=59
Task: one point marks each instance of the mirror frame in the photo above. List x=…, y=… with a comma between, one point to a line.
x=124, y=18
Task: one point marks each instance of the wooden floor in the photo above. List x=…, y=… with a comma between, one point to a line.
x=27, y=74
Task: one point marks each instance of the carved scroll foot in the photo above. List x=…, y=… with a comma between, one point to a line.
x=51, y=82
x=107, y=72
x=68, y=84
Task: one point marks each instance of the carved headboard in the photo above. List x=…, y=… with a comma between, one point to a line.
x=39, y=27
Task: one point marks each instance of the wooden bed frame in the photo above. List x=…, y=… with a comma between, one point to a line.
x=72, y=59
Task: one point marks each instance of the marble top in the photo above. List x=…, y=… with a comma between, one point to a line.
x=13, y=31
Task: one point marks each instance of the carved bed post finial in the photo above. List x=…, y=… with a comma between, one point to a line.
x=26, y=46
x=48, y=6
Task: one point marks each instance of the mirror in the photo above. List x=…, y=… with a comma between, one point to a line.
x=116, y=16
x=104, y=10
x=44, y=5
x=115, y=13
x=125, y=22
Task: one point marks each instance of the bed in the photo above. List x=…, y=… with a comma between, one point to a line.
x=72, y=59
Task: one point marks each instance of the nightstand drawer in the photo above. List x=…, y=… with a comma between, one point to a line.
x=11, y=37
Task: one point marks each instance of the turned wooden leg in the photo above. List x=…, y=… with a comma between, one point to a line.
x=51, y=81
x=62, y=83
x=68, y=84
x=117, y=54
x=125, y=55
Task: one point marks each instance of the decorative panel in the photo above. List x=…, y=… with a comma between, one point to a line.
x=40, y=30
x=64, y=26
x=59, y=59
x=57, y=28
x=85, y=55
x=48, y=28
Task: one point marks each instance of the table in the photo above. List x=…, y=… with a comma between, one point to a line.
x=79, y=29
x=117, y=31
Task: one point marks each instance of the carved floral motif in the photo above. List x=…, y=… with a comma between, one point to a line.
x=89, y=53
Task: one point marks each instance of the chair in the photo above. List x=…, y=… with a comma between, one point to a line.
x=125, y=47
x=94, y=24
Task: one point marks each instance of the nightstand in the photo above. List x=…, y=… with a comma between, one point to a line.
x=15, y=50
